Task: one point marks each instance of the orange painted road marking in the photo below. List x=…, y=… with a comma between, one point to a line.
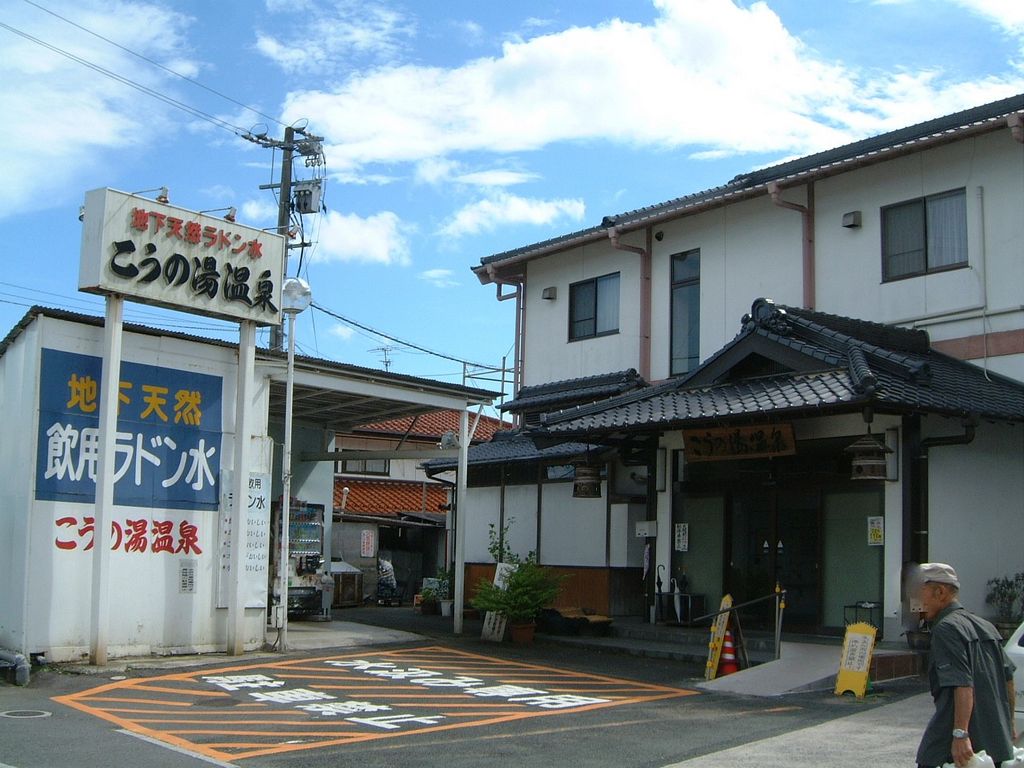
x=349, y=699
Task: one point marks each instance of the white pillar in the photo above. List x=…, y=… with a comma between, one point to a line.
x=104, y=512
x=240, y=483
x=284, y=565
x=460, y=521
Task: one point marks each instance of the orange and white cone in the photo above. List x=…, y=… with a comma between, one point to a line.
x=727, y=663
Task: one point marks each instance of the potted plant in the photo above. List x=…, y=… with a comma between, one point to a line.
x=525, y=591
x=1005, y=594
x=428, y=602
x=444, y=591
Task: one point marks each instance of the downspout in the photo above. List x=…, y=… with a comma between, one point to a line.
x=644, y=363
x=517, y=362
x=1016, y=124
x=918, y=549
x=19, y=663
x=807, y=219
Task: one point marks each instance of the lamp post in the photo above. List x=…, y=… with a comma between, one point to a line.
x=295, y=298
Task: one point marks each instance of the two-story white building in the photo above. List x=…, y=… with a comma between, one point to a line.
x=888, y=263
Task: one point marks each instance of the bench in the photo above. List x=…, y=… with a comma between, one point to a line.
x=573, y=620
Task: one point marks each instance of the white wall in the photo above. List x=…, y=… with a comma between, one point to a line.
x=976, y=506
x=572, y=531
x=482, y=510
x=550, y=355
x=148, y=612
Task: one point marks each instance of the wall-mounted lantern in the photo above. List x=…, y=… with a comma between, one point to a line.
x=869, y=458
x=586, y=483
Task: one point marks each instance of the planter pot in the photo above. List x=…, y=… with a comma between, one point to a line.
x=522, y=634
x=446, y=607
x=429, y=608
x=1006, y=628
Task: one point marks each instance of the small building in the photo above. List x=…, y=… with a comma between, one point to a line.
x=170, y=537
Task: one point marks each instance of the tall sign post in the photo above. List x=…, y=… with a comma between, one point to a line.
x=155, y=253
x=460, y=520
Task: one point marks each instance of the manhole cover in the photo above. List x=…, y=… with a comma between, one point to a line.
x=22, y=713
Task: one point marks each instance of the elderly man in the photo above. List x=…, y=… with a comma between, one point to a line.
x=970, y=677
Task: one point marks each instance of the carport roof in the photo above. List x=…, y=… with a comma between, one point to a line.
x=329, y=394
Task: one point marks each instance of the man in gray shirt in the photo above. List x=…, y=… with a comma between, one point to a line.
x=971, y=678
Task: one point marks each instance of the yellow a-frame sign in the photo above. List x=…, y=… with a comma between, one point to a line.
x=718, y=629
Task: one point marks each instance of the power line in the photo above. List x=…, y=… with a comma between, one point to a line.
x=156, y=64
x=224, y=124
x=395, y=339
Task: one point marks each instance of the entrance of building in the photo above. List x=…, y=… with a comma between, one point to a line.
x=748, y=529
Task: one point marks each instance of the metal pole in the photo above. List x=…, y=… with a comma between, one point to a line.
x=284, y=564
x=104, y=512
x=284, y=212
x=460, y=521
x=240, y=484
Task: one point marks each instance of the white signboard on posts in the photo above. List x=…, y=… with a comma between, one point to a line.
x=172, y=257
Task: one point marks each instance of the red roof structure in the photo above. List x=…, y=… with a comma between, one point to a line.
x=433, y=425
x=389, y=498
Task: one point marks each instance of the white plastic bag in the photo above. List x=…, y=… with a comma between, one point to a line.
x=979, y=760
x=1017, y=760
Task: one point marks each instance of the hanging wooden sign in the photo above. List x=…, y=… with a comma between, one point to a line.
x=721, y=443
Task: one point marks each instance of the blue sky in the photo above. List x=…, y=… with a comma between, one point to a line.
x=452, y=130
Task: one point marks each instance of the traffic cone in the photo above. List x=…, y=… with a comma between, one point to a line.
x=727, y=663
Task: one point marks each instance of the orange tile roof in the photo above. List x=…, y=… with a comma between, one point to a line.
x=389, y=498
x=435, y=423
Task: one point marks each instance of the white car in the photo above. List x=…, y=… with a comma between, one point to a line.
x=1015, y=650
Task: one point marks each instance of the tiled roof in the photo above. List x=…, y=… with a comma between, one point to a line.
x=582, y=390
x=434, y=424
x=509, y=448
x=874, y=149
x=851, y=371
x=389, y=498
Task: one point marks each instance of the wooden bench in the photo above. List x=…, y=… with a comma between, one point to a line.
x=584, y=620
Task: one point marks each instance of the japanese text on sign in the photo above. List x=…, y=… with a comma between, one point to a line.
x=131, y=535
x=173, y=257
x=738, y=442
x=167, y=449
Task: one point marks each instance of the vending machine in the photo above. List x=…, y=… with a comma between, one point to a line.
x=305, y=557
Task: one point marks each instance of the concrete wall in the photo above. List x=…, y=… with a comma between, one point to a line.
x=149, y=613
x=976, y=507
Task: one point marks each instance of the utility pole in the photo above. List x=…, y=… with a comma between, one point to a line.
x=310, y=147
x=284, y=212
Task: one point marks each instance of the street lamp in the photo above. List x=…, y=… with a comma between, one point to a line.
x=295, y=298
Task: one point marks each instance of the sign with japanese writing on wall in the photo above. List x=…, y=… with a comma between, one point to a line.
x=180, y=259
x=717, y=444
x=256, y=558
x=167, y=450
x=876, y=531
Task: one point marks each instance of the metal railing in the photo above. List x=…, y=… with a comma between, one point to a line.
x=779, y=596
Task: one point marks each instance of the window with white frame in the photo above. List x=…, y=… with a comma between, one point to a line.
x=928, y=234
x=685, y=328
x=594, y=307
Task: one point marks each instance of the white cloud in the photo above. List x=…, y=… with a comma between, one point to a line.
x=439, y=278
x=376, y=239
x=64, y=115
x=496, y=178
x=1008, y=14
x=709, y=75
x=343, y=332
x=258, y=213
x=503, y=208
x=326, y=36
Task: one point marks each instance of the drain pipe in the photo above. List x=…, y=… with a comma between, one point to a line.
x=518, y=365
x=20, y=664
x=644, y=363
x=807, y=219
x=1016, y=124
x=970, y=423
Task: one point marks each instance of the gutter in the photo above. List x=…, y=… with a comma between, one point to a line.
x=970, y=423
x=644, y=362
x=807, y=220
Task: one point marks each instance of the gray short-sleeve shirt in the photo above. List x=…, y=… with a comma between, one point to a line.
x=967, y=651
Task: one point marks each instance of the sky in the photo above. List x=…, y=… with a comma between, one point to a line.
x=452, y=131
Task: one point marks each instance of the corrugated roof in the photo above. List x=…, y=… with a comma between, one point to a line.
x=583, y=389
x=511, y=448
x=875, y=149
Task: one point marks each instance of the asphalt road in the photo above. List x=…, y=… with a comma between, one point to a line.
x=437, y=704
